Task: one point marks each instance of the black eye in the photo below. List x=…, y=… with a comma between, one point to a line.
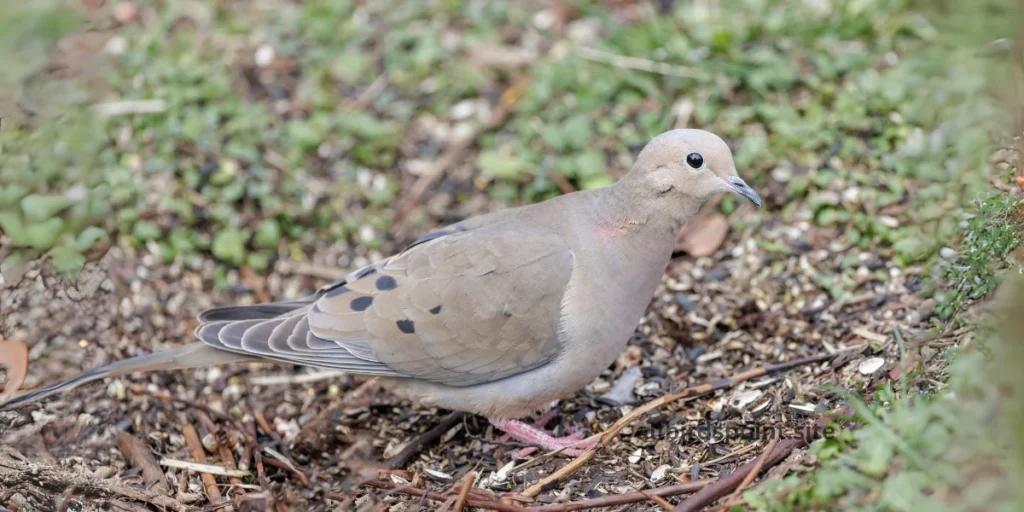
x=695, y=160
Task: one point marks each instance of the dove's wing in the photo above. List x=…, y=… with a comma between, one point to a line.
x=462, y=308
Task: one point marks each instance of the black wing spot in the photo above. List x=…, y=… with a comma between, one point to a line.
x=406, y=326
x=385, y=283
x=435, y=310
x=338, y=291
x=361, y=303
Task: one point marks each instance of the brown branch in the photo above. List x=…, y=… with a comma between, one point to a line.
x=420, y=443
x=138, y=455
x=196, y=448
x=467, y=484
x=225, y=442
x=686, y=394
x=755, y=471
x=662, y=502
x=709, y=494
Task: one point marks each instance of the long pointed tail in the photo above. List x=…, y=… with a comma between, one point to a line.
x=193, y=355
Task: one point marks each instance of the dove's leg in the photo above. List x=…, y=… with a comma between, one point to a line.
x=539, y=423
x=570, y=445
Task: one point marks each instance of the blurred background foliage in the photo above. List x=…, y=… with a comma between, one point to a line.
x=265, y=129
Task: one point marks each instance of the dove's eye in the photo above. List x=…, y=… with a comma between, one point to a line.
x=695, y=160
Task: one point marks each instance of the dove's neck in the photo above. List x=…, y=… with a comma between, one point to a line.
x=631, y=211
x=636, y=231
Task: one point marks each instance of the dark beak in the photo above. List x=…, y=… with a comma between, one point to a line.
x=740, y=187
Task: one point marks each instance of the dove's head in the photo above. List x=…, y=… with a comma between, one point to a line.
x=690, y=165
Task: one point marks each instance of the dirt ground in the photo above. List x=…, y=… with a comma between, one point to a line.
x=711, y=318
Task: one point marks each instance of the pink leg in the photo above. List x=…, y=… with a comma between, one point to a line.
x=539, y=423
x=570, y=445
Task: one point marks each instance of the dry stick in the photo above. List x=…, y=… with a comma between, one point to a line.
x=196, y=447
x=285, y=465
x=420, y=443
x=453, y=152
x=467, y=484
x=686, y=394
x=755, y=471
x=662, y=502
x=223, y=441
x=635, y=63
x=729, y=482
x=604, y=501
x=138, y=455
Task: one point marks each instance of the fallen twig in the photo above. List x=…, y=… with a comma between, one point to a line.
x=636, y=63
x=205, y=471
x=287, y=463
x=203, y=468
x=754, y=471
x=467, y=484
x=429, y=437
x=225, y=442
x=686, y=394
x=733, y=480
x=120, y=108
x=138, y=455
x=662, y=502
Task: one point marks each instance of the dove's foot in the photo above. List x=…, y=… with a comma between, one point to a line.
x=535, y=435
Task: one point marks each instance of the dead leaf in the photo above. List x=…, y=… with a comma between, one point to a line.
x=138, y=455
x=13, y=357
x=703, y=236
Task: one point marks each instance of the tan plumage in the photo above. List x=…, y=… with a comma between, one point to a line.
x=496, y=315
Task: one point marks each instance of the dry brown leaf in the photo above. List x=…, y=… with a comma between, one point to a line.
x=13, y=357
x=703, y=236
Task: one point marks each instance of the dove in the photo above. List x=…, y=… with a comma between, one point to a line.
x=499, y=314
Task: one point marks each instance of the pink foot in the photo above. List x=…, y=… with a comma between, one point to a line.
x=571, y=445
x=539, y=423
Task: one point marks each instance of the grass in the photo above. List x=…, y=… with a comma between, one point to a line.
x=864, y=119
x=249, y=159
x=952, y=444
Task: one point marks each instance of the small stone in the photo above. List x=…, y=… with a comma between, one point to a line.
x=463, y=110
x=660, y=473
x=264, y=55
x=743, y=399
x=870, y=365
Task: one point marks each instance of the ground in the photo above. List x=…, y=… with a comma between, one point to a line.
x=157, y=159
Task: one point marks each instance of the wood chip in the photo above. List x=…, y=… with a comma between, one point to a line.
x=870, y=365
x=203, y=468
x=13, y=357
x=138, y=455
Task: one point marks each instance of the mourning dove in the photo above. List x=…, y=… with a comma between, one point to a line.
x=497, y=315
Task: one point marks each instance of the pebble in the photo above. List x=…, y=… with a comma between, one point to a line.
x=870, y=365
x=264, y=55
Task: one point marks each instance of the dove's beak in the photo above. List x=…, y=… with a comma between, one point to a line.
x=740, y=187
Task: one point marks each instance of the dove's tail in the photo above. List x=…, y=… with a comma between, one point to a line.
x=193, y=355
